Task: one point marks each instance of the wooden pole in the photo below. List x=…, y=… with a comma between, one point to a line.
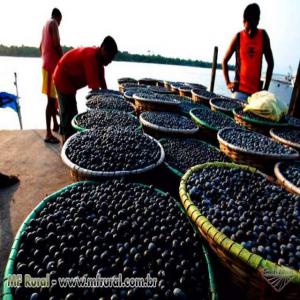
x=213, y=69
x=18, y=103
x=294, y=109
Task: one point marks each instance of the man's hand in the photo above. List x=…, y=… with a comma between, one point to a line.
x=231, y=86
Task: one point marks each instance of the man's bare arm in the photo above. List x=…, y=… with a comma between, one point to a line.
x=228, y=55
x=270, y=61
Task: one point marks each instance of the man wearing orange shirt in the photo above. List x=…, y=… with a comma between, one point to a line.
x=249, y=45
x=76, y=69
x=51, y=53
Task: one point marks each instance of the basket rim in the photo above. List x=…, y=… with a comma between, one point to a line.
x=250, y=152
x=165, y=129
x=263, y=264
x=283, y=180
x=79, y=128
x=259, y=122
x=203, y=123
x=283, y=140
x=175, y=102
x=13, y=252
x=117, y=173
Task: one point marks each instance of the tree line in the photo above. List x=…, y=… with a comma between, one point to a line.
x=26, y=51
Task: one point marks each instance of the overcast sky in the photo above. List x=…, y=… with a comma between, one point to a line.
x=187, y=29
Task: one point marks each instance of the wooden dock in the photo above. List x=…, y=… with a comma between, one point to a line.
x=41, y=172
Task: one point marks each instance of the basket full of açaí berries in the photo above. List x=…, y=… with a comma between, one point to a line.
x=135, y=238
x=252, y=224
x=111, y=152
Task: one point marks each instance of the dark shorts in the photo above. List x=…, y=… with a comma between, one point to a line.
x=67, y=109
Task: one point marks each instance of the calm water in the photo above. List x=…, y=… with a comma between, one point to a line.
x=33, y=102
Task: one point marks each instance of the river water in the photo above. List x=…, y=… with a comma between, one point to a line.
x=33, y=102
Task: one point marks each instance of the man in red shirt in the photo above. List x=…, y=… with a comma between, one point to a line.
x=76, y=69
x=249, y=45
x=51, y=53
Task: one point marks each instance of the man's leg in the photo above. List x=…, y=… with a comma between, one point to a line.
x=49, y=90
x=50, y=108
x=54, y=113
x=67, y=109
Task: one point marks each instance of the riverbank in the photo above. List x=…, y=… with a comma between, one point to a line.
x=124, y=56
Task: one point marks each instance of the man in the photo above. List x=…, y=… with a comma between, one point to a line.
x=249, y=45
x=51, y=53
x=76, y=69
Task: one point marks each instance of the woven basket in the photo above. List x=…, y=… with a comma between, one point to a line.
x=78, y=172
x=283, y=140
x=121, y=98
x=206, y=131
x=129, y=98
x=264, y=162
x=289, y=186
x=201, y=99
x=174, y=88
x=247, y=269
x=9, y=270
x=257, y=125
x=167, y=85
x=103, y=92
x=216, y=108
x=142, y=105
x=173, y=169
x=124, y=86
x=197, y=86
x=160, y=132
x=185, y=92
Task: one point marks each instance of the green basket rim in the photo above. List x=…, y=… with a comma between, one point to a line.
x=263, y=264
x=203, y=123
x=6, y=290
x=79, y=128
x=259, y=122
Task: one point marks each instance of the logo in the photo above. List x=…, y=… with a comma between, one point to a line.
x=278, y=279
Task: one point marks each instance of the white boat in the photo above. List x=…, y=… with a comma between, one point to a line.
x=282, y=87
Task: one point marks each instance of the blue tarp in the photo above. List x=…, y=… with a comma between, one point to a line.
x=8, y=100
